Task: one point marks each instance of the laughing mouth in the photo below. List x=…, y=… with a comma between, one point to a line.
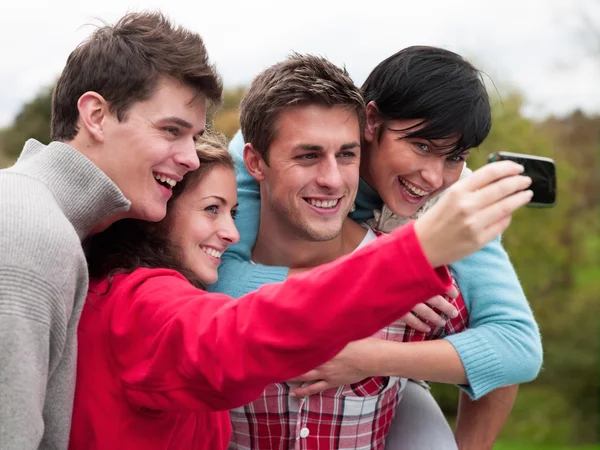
x=211, y=251
x=164, y=180
x=324, y=204
x=411, y=189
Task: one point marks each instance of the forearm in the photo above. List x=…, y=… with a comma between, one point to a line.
x=480, y=421
x=238, y=277
x=435, y=361
x=502, y=345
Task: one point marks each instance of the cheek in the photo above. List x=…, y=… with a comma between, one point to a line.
x=451, y=176
x=293, y=181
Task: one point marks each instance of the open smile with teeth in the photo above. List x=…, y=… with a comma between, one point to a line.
x=411, y=189
x=326, y=204
x=211, y=251
x=164, y=180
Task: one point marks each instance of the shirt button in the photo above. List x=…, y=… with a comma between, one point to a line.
x=304, y=432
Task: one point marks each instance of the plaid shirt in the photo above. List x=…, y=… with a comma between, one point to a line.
x=356, y=416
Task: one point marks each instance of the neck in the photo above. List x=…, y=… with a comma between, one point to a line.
x=276, y=247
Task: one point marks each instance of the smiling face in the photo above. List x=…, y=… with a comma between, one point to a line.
x=312, y=177
x=153, y=147
x=201, y=222
x=407, y=172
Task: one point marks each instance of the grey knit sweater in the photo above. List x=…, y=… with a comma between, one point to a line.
x=49, y=201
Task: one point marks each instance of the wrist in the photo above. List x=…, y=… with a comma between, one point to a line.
x=430, y=250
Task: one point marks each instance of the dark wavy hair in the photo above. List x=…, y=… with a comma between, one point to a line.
x=129, y=244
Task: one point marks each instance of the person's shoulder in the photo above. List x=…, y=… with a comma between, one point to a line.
x=34, y=230
x=144, y=280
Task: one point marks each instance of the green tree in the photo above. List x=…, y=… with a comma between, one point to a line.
x=33, y=121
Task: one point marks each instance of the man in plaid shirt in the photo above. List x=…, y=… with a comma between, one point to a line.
x=316, y=153
x=302, y=146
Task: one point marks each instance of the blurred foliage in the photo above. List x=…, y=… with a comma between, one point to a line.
x=556, y=253
x=33, y=121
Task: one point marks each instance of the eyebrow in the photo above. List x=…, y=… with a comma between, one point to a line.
x=182, y=123
x=319, y=148
x=221, y=199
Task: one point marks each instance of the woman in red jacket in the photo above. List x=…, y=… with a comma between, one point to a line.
x=161, y=361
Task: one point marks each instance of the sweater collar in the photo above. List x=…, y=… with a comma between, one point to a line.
x=84, y=193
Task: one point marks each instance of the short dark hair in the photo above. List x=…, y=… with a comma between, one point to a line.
x=132, y=243
x=124, y=64
x=299, y=80
x=435, y=85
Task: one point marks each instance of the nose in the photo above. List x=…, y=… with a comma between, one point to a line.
x=433, y=172
x=228, y=232
x=329, y=175
x=186, y=156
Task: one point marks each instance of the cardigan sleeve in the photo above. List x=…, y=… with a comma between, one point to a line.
x=502, y=345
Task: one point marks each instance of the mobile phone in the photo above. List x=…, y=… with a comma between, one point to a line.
x=542, y=172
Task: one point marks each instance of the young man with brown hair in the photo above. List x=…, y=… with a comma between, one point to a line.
x=301, y=130
x=125, y=115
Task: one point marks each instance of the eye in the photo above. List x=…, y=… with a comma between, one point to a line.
x=347, y=154
x=457, y=159
x=307, y=156
x=212, y=209
x=422, y=147
x=172, y=130
x=234, y=213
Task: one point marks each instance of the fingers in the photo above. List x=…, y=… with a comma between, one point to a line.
x=311, y=375
x=488, y=174
x=500, y=189
x=425, y=312
x=443, y=305
x=499, y=214
x=414, y=322
x=452, y=293
x=315, y=388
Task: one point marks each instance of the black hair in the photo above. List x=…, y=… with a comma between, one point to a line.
x=435, y=85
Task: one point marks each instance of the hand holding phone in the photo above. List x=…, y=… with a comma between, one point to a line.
x=542, y=172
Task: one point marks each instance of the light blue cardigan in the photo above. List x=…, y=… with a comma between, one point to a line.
x=502, y=345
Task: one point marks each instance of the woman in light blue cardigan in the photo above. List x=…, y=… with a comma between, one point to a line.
x=502, y=345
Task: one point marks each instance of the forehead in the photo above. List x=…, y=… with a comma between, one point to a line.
x=217, y=181
x=173, y=98
x=327, y=126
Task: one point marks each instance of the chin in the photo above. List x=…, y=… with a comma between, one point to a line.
x=155, y=213
x=209, y=278
x=404, y=210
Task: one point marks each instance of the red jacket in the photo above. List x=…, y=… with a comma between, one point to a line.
x=161, y=362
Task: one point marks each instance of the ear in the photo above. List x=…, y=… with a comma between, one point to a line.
x=93, y=112
x=373, y=121
x=255, y=164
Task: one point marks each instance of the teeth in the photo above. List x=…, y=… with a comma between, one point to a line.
x=324, y=203
x=165, y=179
x=211, y=251
x=412, y=189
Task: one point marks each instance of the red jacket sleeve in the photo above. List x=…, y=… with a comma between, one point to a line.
x=178, y=348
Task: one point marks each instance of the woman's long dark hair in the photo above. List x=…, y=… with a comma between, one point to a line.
x=129, y=244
